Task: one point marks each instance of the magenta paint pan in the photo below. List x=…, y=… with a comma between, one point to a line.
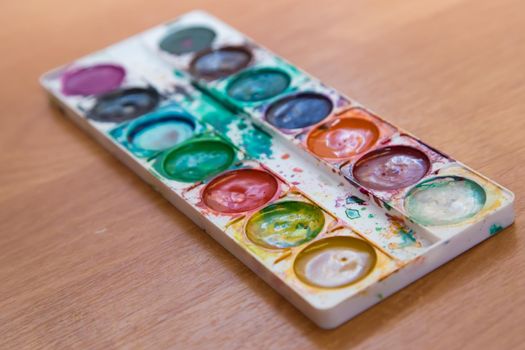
x=93, y=80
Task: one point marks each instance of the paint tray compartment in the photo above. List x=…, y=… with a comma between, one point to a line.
x=330, y=204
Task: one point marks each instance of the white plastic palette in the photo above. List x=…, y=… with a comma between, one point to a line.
x=330, y=204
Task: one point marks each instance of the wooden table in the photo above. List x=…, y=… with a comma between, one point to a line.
x=91, y=257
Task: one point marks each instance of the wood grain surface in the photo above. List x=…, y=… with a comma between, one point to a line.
x=91, y=257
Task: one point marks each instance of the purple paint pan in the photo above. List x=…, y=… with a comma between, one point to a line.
x=92, y=80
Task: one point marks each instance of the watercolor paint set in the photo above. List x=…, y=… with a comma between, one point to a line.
x=330, y=204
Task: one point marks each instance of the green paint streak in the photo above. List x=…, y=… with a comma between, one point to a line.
x=241, y=125
x=495, y=229
x=437, y=184
x=371, y=216
x=218, y=117
x=407, y=238
x=178, y=73
x=257, y=143
x=285, y=224
x=352, y=213
x=254, y=141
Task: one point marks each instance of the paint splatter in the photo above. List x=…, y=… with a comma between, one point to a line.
x=352, y=214
x=495, y=229
x=355, y=200
x=406, y=235
x=297, y=170
x=407, y=239
x=254, y=141
x=215, y=115
x=285, y=156
x=178, y=73
x=257, y=143
x=241, y=125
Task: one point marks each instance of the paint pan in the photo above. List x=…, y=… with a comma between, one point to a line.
x=92, y=80
x=220, y=63
x=124, y=104
x=391, y=168
x=258, y=85
x=196, y=159
x=335, y=262
x=239, y=191
x=187, y=40
x=299, y=111
x=157, y=131
x=342, y=138
x=445, y=200
x=285, y=224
